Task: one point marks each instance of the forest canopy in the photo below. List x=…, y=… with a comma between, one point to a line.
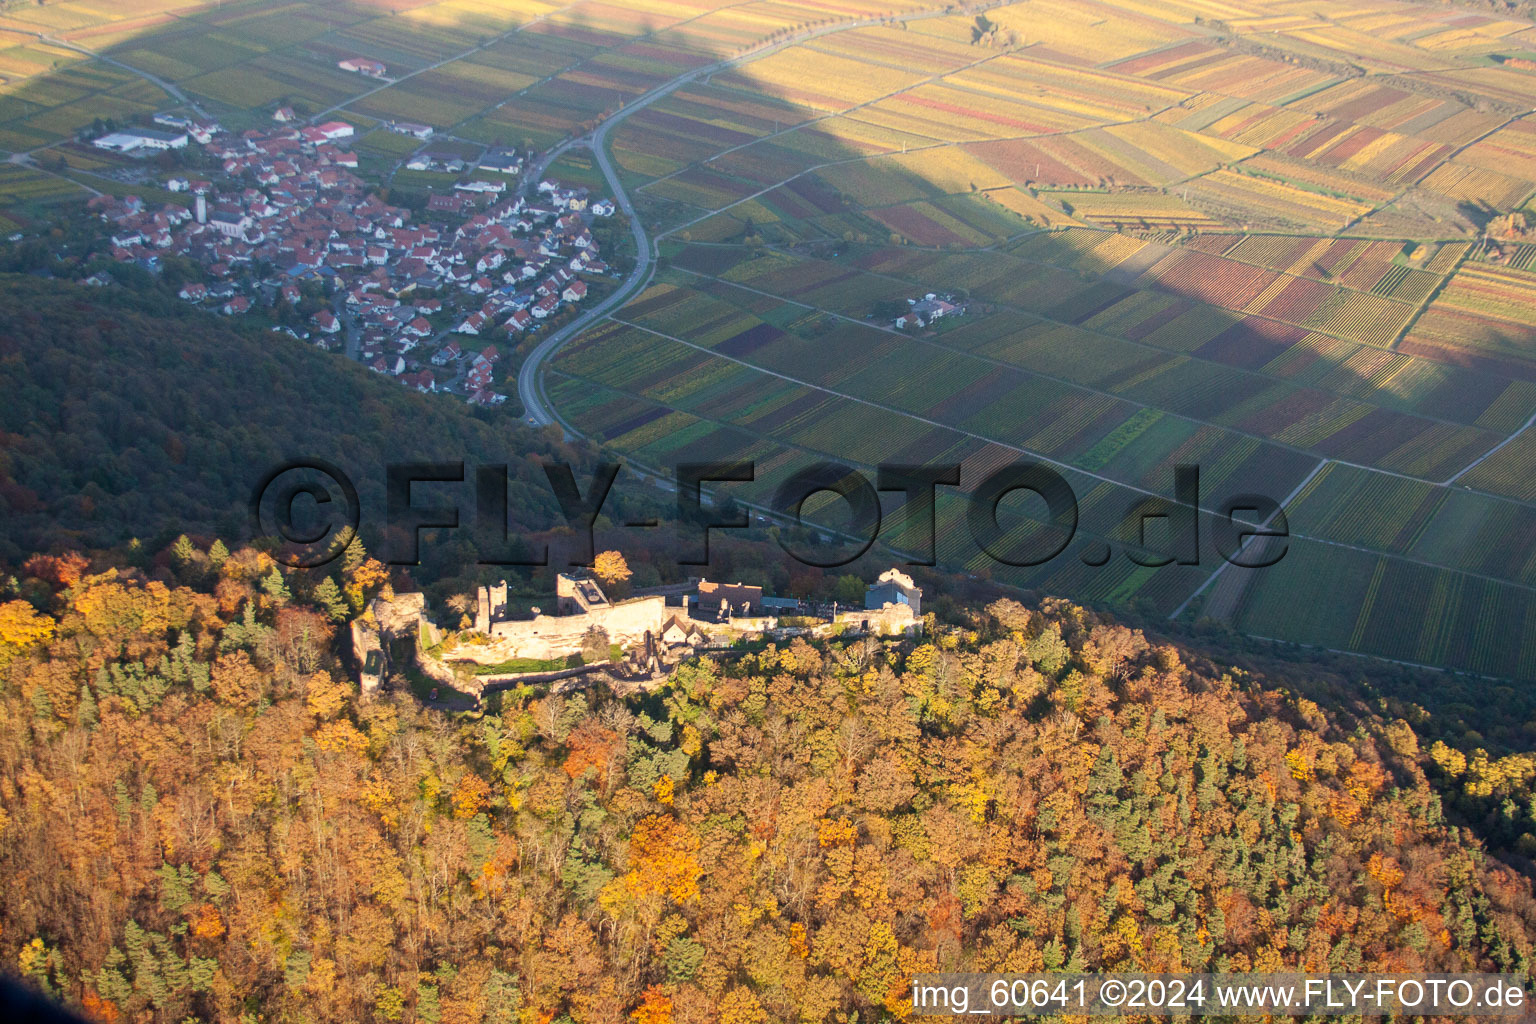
x=130, y=416
x=201, y=818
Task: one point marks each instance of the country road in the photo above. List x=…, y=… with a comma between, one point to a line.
x=530, y=389
x=164, y=86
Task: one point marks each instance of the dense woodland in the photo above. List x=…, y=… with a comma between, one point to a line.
x=129, y=416
x=199, y=819
x=130, y=420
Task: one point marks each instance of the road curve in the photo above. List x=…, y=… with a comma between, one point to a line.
x=529, y=386
x=169, y=88
x=530, y=391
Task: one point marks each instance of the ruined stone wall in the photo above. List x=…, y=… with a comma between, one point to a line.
x=490, y=605
x=887, y=620
x=400, y=615
x=442, y=673
x=553, y=636
x=482, y=610
x=365, y=641
x=739, y=624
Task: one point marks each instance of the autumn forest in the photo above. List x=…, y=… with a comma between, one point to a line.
x=200, y=818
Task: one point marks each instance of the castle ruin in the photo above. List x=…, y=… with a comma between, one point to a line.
x=580, y=606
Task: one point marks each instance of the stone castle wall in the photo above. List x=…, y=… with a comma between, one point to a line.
x=553, y=636
x=401, y=614
x=365, y=642
x=887, y=620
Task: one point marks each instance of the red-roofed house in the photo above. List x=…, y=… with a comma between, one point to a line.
x=422, y=381
x=479, y=375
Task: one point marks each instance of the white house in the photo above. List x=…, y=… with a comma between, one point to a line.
x=362, y=66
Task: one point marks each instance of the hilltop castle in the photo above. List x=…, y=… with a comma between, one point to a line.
x=581, y=606
x=894, y=588
x=651, y=630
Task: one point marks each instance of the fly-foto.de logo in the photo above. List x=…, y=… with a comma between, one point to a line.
x=314, y=510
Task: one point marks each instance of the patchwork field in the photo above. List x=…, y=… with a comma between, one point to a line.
x=1157, y=250
x=1483, y=316
x=1246, y=235
x=1094, y=382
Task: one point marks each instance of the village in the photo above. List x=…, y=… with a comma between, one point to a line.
x=630, y=642
x=287, y=224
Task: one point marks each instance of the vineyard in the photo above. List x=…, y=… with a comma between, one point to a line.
x=1485, y=317
x=1244, y=235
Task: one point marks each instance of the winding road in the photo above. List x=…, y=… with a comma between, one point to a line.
x=530, y=389
x=168, y=88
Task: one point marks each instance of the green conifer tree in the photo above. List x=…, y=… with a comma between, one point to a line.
x=182, y=552
x=328, y=597
x=85, y=711
x=353, y=556
x=275, y=586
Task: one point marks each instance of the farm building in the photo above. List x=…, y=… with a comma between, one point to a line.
x=139, y=139
x=504, y=161
x=362, y=66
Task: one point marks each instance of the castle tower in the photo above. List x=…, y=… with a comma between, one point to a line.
x=482, y=610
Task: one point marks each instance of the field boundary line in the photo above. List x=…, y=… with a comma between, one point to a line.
x=1429, y=297
x=1492, y=451
x=536, y=405
x=499, y=38
x=1058, y=463
x=1223, y=566
x=1131, y=401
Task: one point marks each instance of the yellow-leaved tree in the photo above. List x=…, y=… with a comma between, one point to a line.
x=611, y=568
x=21, y=629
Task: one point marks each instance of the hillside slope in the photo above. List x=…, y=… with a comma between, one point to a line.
x=198, y=817
x=128, y=415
